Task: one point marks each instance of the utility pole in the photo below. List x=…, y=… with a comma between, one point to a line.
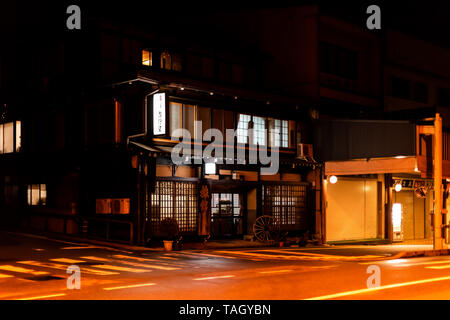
x=438, y=241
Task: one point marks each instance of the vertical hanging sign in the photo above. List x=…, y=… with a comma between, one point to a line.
x=159, y=113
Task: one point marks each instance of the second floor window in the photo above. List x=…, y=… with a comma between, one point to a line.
x=37, y=194
x=10, y=137
x=401, y=88
x=171, y=61
x=443, y=97
x=184, y=116
x=279, y=133
x=242, y=128
x=259, y=131
x=338, y=61
x=147, y=58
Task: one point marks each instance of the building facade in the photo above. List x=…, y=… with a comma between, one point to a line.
x=95, y=157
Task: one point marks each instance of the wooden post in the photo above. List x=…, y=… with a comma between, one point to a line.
x=388, y=209
x=438, y=243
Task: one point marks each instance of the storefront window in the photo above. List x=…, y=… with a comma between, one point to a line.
x=286, y=203
x=176, y=200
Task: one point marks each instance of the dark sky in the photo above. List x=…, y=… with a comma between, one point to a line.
x=427, y=19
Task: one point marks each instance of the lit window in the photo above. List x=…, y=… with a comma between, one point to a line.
x=279, y=133
x=185, y=115
x=171, y=61
x=18, y=135
x=1, y=138
x=242, y=129
x=166, y=60
x=8, y=137
x=146, y=58
x=37, y=195
x=9, y=133
x=176, y=200
x=259, y=131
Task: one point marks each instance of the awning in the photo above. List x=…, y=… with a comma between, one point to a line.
x=371, y=166
x=153, y=149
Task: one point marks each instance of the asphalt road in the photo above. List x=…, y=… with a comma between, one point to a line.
x=36, y=268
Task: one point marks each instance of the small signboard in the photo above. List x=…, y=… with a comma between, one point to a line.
x=159, y=113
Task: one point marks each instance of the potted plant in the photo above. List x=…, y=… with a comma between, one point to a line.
x=169, y=229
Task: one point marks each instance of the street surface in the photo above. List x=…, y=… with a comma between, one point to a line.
x=35, y=268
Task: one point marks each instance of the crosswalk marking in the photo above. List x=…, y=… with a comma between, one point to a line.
x=294, y=255
x=275, y=271
x=64, y=267
x=134, y=264
x=169, y=258
x=207, y=255
x=5, y=276
x=266, y=256
x=22, y=270
x=216, y=277
x=118, y=268
x=95, y=258
x=44, y=297
x=67, y=260
x=325, y=256
x=80, y=248
x=130, y=286
x=121, y=256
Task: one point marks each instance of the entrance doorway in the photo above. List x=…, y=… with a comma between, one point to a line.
x=414, y=222
x=226, y=215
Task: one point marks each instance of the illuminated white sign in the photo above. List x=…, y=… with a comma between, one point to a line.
x=397, y=217
x=210, y=168
x=159, y=113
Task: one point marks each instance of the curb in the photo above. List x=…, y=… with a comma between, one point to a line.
x=425, y=253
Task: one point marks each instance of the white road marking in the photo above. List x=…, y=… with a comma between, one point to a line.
x=217, y=277
x=369, y=290
x=130, y=286
x=67, y=260
x=121, y=256
x=324, y=256
x=118, y=268
x=44, y=297
x=275, y=271
x=64, y=267
x=134, y=264
x=207, y=255
x=22, y=270
x=80, y=248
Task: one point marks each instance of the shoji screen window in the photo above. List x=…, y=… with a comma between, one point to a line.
x=10, y=137
x=37, y=194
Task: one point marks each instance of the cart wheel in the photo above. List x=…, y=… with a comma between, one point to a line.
x=266, y=228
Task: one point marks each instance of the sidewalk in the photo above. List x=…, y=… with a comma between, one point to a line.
x=383, y=250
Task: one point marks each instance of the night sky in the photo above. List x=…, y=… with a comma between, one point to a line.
x=426, y=19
